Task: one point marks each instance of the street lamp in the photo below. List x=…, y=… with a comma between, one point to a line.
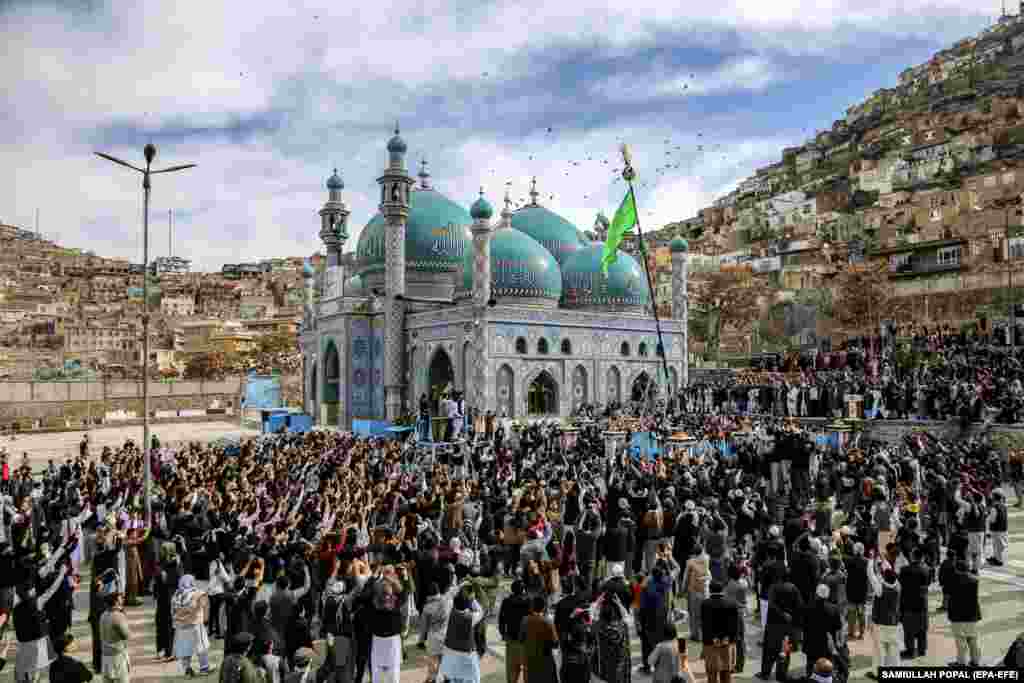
x=149, y=152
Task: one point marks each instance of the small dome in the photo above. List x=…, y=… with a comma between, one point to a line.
x=481, y=209
x=396, y=145
x=556, y=234
x=437, y=235
x=679, y=246
x=354, y=286
x=520, y=267
x=335, y=182
x=586, y=286
x=307, y=270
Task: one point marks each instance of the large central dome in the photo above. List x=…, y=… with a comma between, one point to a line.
x=437, y=235
x=555, y=234
x=520, y=268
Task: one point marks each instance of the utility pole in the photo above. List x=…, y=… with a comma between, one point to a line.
x=149, y=152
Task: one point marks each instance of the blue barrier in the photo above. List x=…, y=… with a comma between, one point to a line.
x=299, y=423
x=369, y=427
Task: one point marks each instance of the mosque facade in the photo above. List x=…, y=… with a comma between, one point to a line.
x=513, y=310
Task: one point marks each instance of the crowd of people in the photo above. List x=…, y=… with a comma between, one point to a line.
x=375, y=547
x=938, y=376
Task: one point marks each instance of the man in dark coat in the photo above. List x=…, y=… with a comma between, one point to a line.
x=856, y=591
x=822, y=623
x=785, y=608
x=805, y=569
x=720, y=627
x=964, y=613
x=914, y=581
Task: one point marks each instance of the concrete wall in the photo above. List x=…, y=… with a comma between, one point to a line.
x=20, y=401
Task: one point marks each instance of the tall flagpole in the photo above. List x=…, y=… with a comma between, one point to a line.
x=628, y=174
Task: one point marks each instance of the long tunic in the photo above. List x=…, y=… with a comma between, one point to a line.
x=538, y=635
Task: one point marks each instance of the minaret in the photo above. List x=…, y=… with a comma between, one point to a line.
x=480, y=391
x=481, y=211
x=680, y=300
x=395, y=185
x=334, y=232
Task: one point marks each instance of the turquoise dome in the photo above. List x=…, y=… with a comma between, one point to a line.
x=481, y=210
x=556, y=234
x=335, y=182
x=520, y=267
x=585, y=285
x=354, y=286
x=307, y=270
x=437, y=235
x=679, y=245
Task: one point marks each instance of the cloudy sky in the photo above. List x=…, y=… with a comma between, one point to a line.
x=268, y=97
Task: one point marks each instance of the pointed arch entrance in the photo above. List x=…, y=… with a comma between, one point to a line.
x=542, y=395
x=643, y=389
x=506, y=391
x=613, y=385
x=313, y=398
x=580, y=393
x=332, y=373
x=441, y=377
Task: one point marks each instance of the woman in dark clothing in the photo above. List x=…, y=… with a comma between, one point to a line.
x=166, y=584
x=577, y=648
x=614, y=662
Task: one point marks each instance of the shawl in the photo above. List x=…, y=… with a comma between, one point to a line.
x=186, y=591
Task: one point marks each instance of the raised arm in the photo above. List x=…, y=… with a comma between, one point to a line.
x=45, y=597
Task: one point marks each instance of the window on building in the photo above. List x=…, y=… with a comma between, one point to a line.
x=520, y=345
x=1008, y=178
x=935, y=215
x=1015, y=247
x=542, y=346
x=642, y=349
x=948, y=256
x=990, y=181
x=899, y=261
x=929, y=135
x=624, y=349
x=566, y=347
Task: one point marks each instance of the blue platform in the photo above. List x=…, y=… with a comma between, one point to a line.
x=370, y=427
x=299, y=423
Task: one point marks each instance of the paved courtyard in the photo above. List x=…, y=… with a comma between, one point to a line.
x=59, y=445
x=1002, y=592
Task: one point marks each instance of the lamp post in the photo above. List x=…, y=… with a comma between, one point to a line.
x=149, y=152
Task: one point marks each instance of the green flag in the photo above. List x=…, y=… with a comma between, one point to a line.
x=624, y=221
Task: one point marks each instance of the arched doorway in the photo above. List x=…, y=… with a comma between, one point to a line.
x=643, y=389
x=506, y=391
x=580, y=393
x=332, y=373
x=313, y=398
x=441, y=378
x=465, y=367
x=542, y=395
x=612, y=385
